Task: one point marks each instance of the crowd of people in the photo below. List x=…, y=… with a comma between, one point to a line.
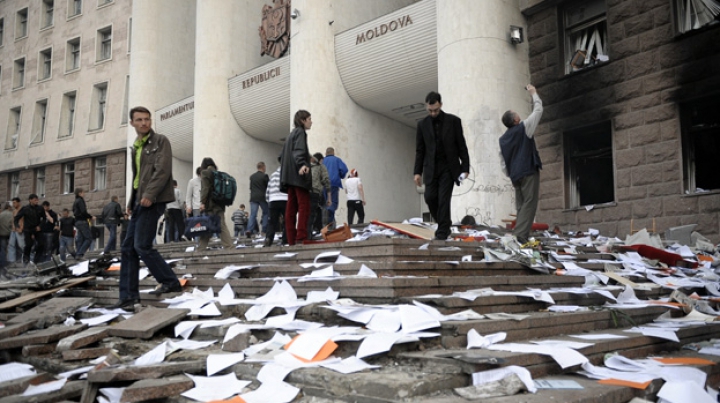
x=302, y=193
x=32, y=233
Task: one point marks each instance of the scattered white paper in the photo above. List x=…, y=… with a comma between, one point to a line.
x=377, y=343
x=80, y=268
x=15, y=370
x=494, y=375
x=557, y=384
x=272, y=392
x=46, y=387
x=190, y=344
x=154, y=356
x=218, y=362
x=475, y=340
x=683, y=392
x=322, y=296
x=113, y=395
x=350, y=365
x=214, y=388
x=604, y=336
x=565, y=357
x=366, y=272
x=98, y=320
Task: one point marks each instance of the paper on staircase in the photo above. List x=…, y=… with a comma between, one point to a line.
x=214, y=388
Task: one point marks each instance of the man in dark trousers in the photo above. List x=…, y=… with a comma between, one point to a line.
x=34, y=216
x=521, y=162
x=111, y=215
x=152, y=189
x=258, y=185
x=49, y=229
x=441, y=160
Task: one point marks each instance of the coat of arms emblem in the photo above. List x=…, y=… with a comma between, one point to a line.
x=275, y=29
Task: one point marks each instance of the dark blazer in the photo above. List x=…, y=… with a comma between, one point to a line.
x=456, y=149
x=295, y=155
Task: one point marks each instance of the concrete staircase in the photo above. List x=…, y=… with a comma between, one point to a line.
x=428, y=370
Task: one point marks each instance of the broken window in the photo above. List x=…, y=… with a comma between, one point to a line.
x=694, y=14
x=589, y=173
x=701, y=145
x=585, y=35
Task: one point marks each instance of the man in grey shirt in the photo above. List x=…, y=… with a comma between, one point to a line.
x=192, y=196
x=521, y=162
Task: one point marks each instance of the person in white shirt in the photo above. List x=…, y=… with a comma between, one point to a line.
x=192, y=196
x=355, y=197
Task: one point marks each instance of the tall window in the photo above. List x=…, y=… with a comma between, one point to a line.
x=124, y=117
x=104, y=2
x=99, y=105
x=40, y=181
x=72, y=54
x=15, y=184
x=694, y=14
x=69, y=177
x=589, y=174
x=19, y=76
x=129, y=40
x=701, y=144
x=585, y=35
x=38, y=132
x=100, y=173
x=45, y=67
x=48, y=8
x=21, y=23
x=104, y=41
x=67, y=115
x=13, y=128
x=2, y=30
x=74, y=8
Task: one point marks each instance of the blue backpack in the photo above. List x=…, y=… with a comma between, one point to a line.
x=224, y=188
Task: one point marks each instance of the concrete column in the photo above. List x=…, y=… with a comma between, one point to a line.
x=480, y=76
x=380, y=149
x=216, y=133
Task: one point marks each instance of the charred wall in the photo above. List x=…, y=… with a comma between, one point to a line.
x=650, y=73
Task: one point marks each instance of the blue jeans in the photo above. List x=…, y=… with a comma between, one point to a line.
x=334, y=202
x=16, y=246
x=67, y=245
x=4, y=242
x=138, y=244
x=252, y=220
x=112, y=239
x=83, y=238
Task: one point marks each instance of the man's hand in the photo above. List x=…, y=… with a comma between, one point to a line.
x=188, y=210
x=328, y=203
x=303, y=170
x=202, y=206
x=531, y=89
x=145, y=202
x=418, y=180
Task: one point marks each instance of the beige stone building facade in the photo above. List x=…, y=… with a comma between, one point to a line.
x=617, y=139
x=63, y=99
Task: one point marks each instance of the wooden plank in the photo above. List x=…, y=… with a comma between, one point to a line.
x=44, y=336
x=144, y=324
x=134, y=373
x=52, y=311
x=149, y=389
x=84, y=338
x=410, y=230
x=39, y=294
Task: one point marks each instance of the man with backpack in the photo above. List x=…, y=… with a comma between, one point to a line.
x=217, y=191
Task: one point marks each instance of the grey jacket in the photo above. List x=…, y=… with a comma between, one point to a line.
x=155, y=171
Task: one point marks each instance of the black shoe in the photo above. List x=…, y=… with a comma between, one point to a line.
x=167, y=288
x=125, y=304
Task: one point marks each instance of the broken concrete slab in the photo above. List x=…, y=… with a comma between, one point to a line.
x=19, y=385
x=84, y=338
x=148, y=389
x=237, y=343
x=39, y=294
x=52, y=311
x=38, y=349
x=16, y=329
x=85, y=354
x=44, y=336
x=71, y=390
x=134, y=373
x=144, y=324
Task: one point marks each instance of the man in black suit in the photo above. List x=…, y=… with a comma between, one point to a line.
x=441, y=160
